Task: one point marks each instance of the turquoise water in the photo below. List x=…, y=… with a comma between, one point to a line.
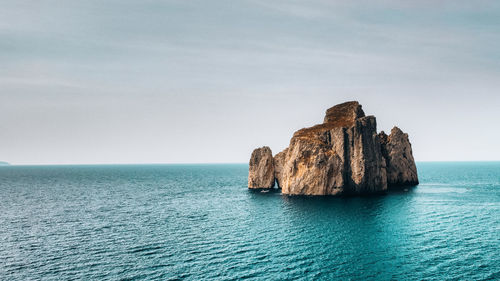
x=199, y=222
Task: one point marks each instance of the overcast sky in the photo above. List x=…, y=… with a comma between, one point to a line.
x=123, y=81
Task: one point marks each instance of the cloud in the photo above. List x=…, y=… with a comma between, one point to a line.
x=176, y=70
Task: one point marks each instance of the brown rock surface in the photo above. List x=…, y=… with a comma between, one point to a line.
x=311, y=168
x=261, y=168
x=367, y=172
x=344, y=114
x=279, y=162
x=396, y=149
x=343, y=155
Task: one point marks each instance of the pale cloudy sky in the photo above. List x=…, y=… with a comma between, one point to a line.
x=148, y=81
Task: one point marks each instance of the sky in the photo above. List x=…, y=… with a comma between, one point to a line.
x=121, y=81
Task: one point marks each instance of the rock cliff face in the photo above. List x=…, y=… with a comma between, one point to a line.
x=396, y=149
x=343, y=155
x=261, y=171
x=279, y=162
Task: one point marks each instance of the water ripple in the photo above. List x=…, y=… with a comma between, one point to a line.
x=193, y=222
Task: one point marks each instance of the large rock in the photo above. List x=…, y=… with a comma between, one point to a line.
x=309, y=169
x=279, y=162
x=396, y=149
x=261, y=169
x=315, y=162
x=335, y=160
x=343, y=155
x=367, y=172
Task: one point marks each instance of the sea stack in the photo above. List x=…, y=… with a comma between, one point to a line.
x=343, y=155
x=261, y=169
x=400, y=166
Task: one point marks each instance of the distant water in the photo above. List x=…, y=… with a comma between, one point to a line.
x=199, y=222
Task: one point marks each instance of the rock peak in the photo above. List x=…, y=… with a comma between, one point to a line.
x=340, y=115
x=344, y=114
x=396, y=130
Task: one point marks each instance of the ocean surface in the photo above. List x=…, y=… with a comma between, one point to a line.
x=200, y=222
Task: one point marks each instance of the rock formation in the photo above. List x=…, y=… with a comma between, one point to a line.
x=343, y=155
x=279, y=162
x=261, y=171
x=400, y=166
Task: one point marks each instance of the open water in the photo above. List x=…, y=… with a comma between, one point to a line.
x=199, y=222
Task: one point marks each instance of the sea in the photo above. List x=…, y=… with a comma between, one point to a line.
x=200, y=222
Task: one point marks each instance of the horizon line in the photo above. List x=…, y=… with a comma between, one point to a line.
x=206, y=163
